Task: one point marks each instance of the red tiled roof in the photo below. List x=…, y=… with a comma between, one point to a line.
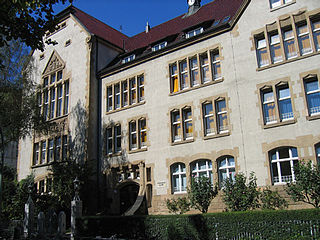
x=217, y=9
x=99, y=28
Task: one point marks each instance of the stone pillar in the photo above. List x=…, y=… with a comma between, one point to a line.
x=28, y=222
x=61, y=224
x=41, y=224
x=76, y=208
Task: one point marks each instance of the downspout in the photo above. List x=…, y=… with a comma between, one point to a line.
x=98, y=126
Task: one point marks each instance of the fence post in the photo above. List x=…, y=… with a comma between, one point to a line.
x=41, y=224
x=76, y=208
x=28, y=222
x=61, y=224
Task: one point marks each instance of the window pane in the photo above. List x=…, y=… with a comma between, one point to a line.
x=286, y=174
x=312, y=86
x=283, y=153
x=223, y=163
x=275, y=174
x=268, y=96
x=314, y=103
x=294, y=152
x=222, y=122
x=221, y=105
x=285, y=108
x=284, y=93
x=231, y=162
x=276, y=53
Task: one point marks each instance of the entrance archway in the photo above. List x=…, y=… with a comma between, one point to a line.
x=128, y=196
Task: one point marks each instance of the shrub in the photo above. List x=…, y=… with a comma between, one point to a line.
x=239, y=196
x=271, y=200
x=306, y=187
x=179, y=205
x=201, y=193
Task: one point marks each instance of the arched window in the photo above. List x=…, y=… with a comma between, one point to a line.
x=282, y=162
x=178, y=178
x=201, y=168
x=226, y=168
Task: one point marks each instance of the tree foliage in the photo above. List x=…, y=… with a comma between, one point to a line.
x=201, y=193
x=271, y=200
x=239, y=195
x=306, y=187
x=180, y=205
x=27, y=20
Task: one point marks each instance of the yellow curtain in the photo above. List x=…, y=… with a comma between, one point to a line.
x=175, y=83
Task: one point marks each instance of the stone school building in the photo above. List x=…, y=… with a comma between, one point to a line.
x=227, y=87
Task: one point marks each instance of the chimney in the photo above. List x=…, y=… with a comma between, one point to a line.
x=147, y=27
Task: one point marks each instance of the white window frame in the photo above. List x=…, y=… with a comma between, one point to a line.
x=286, y=40
x=117, y=136
x=129, y=58
x=181, y=175
x=203, y=66
x=208, y=170
x=57, y=155
x=140, y=88
x=316, y=31
x=261, y=45
x=275, y=42
x=59, y=101
x=43, y=152
x=194, y=32
x=289, y=115
x=183, y=85
x=193, y=81
x=109, y=138
x=109, y=98
x=142, y=131
x=215, y=63
x=46, y=104
x=278, y=161
x=300, y=36
x=125, y=92
x=66, y=98
x=207, y=116
x=268, y=120
x=221, y=129
x=117, y=96
x=177, y=138
x=228, y=168
x=317, y=109
x=50, y=156
x=36, y=153
x=65, y=147
x=186, y=121
x=133, y=88
x=133, y=133
x=159, y=46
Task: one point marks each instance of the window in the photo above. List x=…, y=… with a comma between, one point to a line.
x=41, y=187
x=195, y=77
x=65, y=147
x=205, y=68
x=109, y=98
x=313, y=95
x=196, y=70
x=278, y=3
x=113, y=139
x=295, y=44
x=133, y=91
x=215, y=113
x=184, y=76
x=125, y=93
x=194, y=32
x=216, y=67
x=182, y=128
x=138, y=134
x=159, y=46
x=35, y=154
x=282, y=162
x=55, y=95
x=125, y=98
x=275, y=49
x=57, y=149
x=318, y=153
x=50, y=150
x=304, y=39
x=141, y=88
x=174, y=78
x=129, y=58
x=117, y=96
x=262, y=52
x=226, y=169
x=201, y=168
x=59, y=103
x=289, y=44
x=270, y=111
x=43, y=152
x=49, y=185
x=179, y=178
x=316, y=32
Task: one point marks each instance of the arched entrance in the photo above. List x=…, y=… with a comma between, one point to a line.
x=128, y=196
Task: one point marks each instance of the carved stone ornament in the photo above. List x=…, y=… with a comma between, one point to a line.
x=55, y=62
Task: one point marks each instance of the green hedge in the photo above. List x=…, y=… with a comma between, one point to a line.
x=281, y=224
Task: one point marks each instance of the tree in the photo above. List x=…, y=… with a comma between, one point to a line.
x=201, y=193
x=19, y=114
x=27, y=20
x=271, y=200
x=180, y=205
x=240, y=196
x=306, y=187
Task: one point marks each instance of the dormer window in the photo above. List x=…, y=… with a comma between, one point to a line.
x=194, y=32
x=159, y=46
x=129, y=58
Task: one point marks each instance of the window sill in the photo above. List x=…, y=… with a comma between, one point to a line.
x=313, y=117
x=42, y=165
x=57, y=118
x=287, y=61
x=282, y=6
x=216, y=135
x=114, y=154
x=126, y=107
x=138, y=150
x=180, y=193
x=218, y=80
x=182, y=142
x=279, y=124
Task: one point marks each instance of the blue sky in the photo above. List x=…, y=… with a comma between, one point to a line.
x=132, y=15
